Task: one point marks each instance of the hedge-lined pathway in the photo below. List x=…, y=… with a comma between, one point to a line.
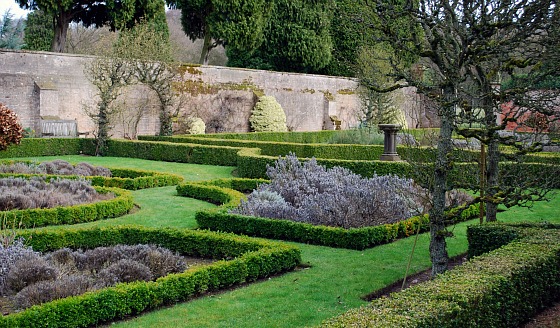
x=334, y=281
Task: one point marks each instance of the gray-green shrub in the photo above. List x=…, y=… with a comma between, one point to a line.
x=335, y=197
x=36, y=192
x=124, y=270
x=33, y=278
x=56, y=167
x=9, y=255
x=46, y=291
x=28, y=270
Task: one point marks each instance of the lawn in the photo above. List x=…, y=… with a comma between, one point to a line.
x=330, y=282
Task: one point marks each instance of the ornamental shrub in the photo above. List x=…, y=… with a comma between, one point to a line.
x=9, y=255
x=32, y=278
x=56, y=167
x=308, y=192
x=195, y=125
x=20, y=193
x=268, y=116
x=11, y=131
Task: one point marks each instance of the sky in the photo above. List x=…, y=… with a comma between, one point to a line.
x=14, y=8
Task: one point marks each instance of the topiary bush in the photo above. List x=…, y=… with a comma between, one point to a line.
x=268, y=116
x=11, y=131
x=195, y=125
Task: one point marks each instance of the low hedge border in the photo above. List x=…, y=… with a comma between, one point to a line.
x=502, y=288
x=242, y=259
x=122, y=178
x=105, y=209
x=173, y=152
x=356, y=238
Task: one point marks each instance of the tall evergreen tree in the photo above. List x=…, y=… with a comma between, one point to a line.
x=116, y=13
x=11, y=31
x=239, y=24
x=39, y=32
x=297, y=38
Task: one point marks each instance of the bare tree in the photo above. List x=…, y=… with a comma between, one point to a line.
x=110, y=74
x=465, y=44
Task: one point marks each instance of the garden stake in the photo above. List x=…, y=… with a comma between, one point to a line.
x=411, y=253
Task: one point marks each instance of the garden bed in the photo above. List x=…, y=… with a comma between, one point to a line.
x=120, y=178
x=239, y=260
x=355, y=238
x=120, y=205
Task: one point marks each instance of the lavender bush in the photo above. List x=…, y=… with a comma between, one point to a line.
x=28, y=278
x=308, y=192
x=20, y=193
x=58, y=167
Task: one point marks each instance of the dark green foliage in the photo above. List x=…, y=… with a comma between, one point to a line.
x=46, y=147
x=237, y=24
x=11, y=31
x=169, y=152
x=254, y=259
x=498, y=289
x=297, y=38
x=39, y=31
x=117, y=14
x=231, y=150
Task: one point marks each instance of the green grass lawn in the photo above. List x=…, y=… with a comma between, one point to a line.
x=331, y=281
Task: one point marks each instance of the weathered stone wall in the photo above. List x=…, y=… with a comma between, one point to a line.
x=48, y=85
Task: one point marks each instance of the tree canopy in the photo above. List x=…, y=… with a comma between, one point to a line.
x=296, y=39
x=466, y=46
x=11, y=31
x=116, y=13
x=239, y=24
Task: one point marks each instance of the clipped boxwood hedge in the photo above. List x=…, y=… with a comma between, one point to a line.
x=242, y=259
x=173, y=152
x=502, y=288
x=105, y=209
x=122, y=178
x=355, y=238
x=30, y=147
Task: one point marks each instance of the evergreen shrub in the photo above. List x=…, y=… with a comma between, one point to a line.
x=502, y=288
x=308, y=192
x=268, y=116
x=355, y=238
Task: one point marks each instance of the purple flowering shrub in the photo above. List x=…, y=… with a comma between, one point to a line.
x=20, y=193
x=28, y=278
x=57, y=167
x=308, y=192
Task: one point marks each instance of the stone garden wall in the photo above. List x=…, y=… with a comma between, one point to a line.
x=53, y=87
x=43, y=86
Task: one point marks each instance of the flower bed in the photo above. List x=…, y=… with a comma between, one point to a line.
x=241, y=259
x=357, y=238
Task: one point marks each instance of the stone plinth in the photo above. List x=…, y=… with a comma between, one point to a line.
x=390, y=142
